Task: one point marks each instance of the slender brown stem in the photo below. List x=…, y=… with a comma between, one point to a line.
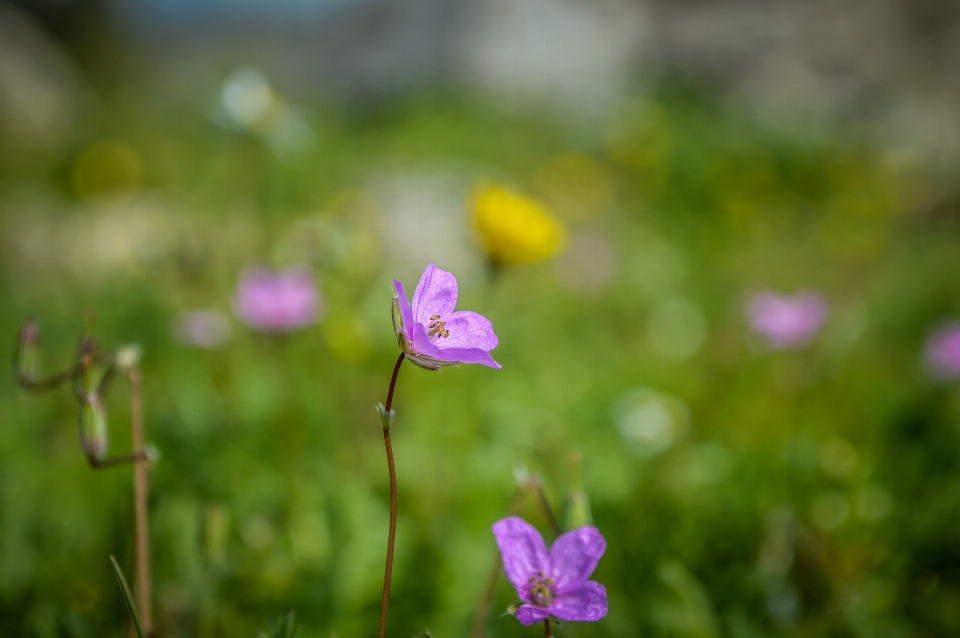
x=546, y=628
x=51, y=382
x=141, y=492
x=391, y=536
x=120, y=459
x=393, y=383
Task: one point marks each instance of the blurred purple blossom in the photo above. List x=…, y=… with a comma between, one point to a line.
x=278, y=301
x=785, y=320
x=431, y=334
x=201, y=328
x=942, y=352
x=555, y=584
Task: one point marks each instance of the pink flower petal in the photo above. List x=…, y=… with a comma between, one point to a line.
x=423, y=345
x=436, y=294
x=586, y=603
x=468, y=330
x=531, y=615
x=575, y=555
x=406, y=313
x=470, y=355
x=523, y=550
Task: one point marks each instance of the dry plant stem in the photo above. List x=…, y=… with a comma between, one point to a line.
x=546, y=628
x=391, y=536
x=141, y=492
x=113, y=461
x=51, y=382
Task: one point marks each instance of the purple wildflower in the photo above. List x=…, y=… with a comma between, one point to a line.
x=942, y=352
x=431, y=334
x=277, y=301
x=787, y=320
x=552, y=585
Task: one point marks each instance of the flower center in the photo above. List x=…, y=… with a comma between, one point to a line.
x=437, y=327
x=541, y=590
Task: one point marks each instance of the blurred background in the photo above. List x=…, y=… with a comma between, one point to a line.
x=718, y=242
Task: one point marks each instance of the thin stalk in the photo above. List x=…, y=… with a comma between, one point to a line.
x=113, y=461
x=546, y=628
x=141, y=493
x=391, y=536
x=51, y=382
x=547, y=509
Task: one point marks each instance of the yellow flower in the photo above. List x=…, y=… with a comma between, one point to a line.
x=514, y=229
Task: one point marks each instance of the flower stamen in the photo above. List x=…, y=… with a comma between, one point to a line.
x=437, y=327
x=541, y=590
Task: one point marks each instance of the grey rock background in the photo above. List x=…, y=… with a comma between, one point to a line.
x=892, y=64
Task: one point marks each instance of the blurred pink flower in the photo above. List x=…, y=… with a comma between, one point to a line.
x=278, y=301
x=942, y=352
x=787, y=321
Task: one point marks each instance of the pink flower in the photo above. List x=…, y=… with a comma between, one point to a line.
x=552, y=585
x=277, y=301
x=787, y=320
x=431, y=334
x=942, y=352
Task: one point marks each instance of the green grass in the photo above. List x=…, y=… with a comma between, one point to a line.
x=270, y=493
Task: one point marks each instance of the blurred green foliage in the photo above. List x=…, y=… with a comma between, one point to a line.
x=793, y=493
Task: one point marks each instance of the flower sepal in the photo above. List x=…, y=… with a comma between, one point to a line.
x=386, y=418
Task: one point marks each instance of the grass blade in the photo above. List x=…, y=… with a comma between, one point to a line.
x=128, y=597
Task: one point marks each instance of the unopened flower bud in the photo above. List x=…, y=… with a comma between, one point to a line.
x=92, y=427
x=577, y=513
x=521, y=474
